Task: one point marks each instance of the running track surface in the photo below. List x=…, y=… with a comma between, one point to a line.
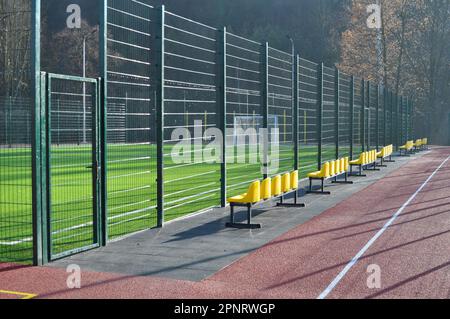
x=413, y=253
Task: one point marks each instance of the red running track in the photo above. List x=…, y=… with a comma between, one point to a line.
x=413, y=253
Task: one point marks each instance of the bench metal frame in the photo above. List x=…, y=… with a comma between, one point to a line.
x=249, y=206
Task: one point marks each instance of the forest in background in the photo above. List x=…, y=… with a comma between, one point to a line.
x=413, y=58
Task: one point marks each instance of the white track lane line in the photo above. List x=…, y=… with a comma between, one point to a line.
x=355, y=259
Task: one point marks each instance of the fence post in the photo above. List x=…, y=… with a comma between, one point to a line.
x=401, y=114
x=368, y=128
x=411, y=121
x=352, y=113
x=103, y=98
x=39, y=247
x=407, y=119
x=159, y=87
x=8, y=119
x=396, y=131
x=377, y=118
x=400, y=117
x=337, y=83
x=319, y=113
x=265, y=101
x=222, y=105
x=385, y=93
x=363, y=115
x=295, y=113
x=391, y=116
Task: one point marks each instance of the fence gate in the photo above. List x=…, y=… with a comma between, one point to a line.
x=72, y=157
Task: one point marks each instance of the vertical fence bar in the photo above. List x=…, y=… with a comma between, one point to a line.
x=265, y=100
x=377, y=118
x=352, y=113
x=391, y=108
x=401, y=114
x=296, y=103
x=337, y=83
x=368, y=128
x=400, y=117
x=396, y=131
x=159, y=87
x=408, y=116
x=407, y=119
x=319, y=113
x=411, y=120
x=103, y=34
x=222, y=105
x=38, y=232
x=385, y=93
x=363, y=115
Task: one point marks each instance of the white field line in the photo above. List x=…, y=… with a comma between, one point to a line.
x=355, y=259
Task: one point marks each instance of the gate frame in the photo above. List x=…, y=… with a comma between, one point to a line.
x=99, y=220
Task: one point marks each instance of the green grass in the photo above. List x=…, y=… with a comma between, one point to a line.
x=131, y=192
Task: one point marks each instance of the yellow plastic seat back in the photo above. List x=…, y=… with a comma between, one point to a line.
x=266, y=188
x=332, y=168
x=276, y=186
x=337, y=167
x=286, y=183
x=346, y=163
x=364, y=158
x=325, y=172
x=294, y=180
x=254, y=192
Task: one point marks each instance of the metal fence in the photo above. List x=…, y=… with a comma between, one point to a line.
x=16, y=132
x=168, y=85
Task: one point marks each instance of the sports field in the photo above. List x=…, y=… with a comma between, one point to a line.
x=132, y=196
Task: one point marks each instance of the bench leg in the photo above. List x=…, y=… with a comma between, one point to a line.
x=345, y=181
x=295, y=204
x=322, y=192
x=360, y=174
x=382, y=163
x=249, y=225
x=389, y=160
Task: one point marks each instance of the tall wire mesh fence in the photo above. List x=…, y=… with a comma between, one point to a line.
x=328, y=115
x=381, y=126
x=280, y=108
x=16, y=112
x=258, y=92
x=243, y=110
x=344, y=115
x=131, y=128
x=191, y=183
x=308, y=123
x=372, y=113
x=358, y=120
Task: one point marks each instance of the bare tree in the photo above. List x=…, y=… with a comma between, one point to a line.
x=15, y=35
x=416, y=54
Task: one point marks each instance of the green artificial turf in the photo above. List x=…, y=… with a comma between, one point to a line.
x=132, y=192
